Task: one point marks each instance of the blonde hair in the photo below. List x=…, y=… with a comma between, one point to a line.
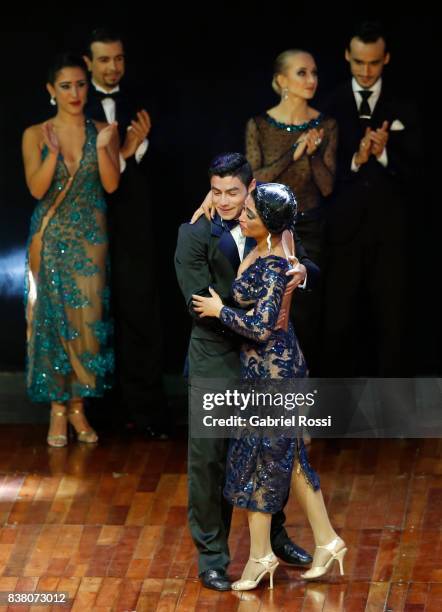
x=281, y=65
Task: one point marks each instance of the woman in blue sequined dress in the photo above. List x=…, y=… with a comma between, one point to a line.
x=259, y=468
x=68, y=162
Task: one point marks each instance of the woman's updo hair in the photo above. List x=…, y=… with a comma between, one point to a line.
x=276, y=205
x=65, y=60
x=281, y=66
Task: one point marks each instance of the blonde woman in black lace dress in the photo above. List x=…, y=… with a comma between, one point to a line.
x=294, y=144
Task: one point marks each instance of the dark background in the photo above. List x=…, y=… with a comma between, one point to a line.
x=202, y=78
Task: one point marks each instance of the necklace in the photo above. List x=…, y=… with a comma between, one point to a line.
x=294, y=127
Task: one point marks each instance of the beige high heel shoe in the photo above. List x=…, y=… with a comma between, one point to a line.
x=270, y=563
x=337, y=550
x=88, y=436
x=56, y=440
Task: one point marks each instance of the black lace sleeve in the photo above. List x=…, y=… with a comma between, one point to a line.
x=258, y=324
x=254, y=156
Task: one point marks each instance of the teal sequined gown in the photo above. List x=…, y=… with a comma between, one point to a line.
x=66, y=285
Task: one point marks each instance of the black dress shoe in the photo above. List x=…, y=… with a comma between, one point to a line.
x=215, y=579
x=290, y=553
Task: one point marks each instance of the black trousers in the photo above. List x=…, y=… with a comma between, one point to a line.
x=366, y=324
x=306, y=308
x=138, y=337
x=209, y=513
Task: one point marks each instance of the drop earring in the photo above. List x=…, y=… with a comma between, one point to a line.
x=285, y=93
x=53, y=101
x=269, y=242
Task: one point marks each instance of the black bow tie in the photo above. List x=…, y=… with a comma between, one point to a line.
x=101, y=95
x=229, y=225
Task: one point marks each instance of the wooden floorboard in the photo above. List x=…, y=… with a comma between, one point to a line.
x=107, y=525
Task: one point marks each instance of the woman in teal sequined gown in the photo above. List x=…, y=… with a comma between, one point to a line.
x=259, y=467
x=68, y=162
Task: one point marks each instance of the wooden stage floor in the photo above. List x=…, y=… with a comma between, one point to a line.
x=108, y=526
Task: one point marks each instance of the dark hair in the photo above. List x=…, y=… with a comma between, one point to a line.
x=231, y=164
x=368, y=32
x=103, y=35
x=276, y=205
x=65, y=60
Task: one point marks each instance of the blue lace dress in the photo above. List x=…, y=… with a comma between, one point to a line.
x=259, y=468
x=66, y=291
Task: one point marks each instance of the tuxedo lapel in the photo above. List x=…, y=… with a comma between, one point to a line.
x=350, y=102
x=383, y=110
x=349, y=113
x=123, y=115
x=94, y=108
x=226, y=243
x=250, y=244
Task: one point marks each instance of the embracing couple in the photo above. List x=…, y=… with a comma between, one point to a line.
x=236, y=272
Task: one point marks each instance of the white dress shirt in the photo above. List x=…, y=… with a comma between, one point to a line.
x=109, y=111
x=372, y=101
x=240, y=240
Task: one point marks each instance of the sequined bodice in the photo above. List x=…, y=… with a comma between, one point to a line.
x=253, y=283
x=268, y=352
x=84, y=192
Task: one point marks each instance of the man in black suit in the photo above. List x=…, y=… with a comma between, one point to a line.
x=208, y=254
x=134, y=293
x=378, y=159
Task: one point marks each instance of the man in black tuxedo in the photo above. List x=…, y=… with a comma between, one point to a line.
x=378, y=158
x=134, y=294
x=208, y=253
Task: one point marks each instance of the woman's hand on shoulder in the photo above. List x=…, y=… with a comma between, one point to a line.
x=207, y=209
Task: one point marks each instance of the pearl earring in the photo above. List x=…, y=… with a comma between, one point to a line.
x=285, y=93
x=53, y=101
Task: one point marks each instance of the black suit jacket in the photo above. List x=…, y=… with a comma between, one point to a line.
x=374, y=192
x=129, y=210
x=199, y=263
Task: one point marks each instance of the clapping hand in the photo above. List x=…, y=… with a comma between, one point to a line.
x=106, y=135
x=308, y=143
x=207, y=306
x=137, y=132
x=379, y=139
x=50, y=138
x=365, y=148
x=314, y=138
x=301, y=146
x=141, y=125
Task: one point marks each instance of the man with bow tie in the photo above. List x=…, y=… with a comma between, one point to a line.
x=134, y=294
x=208, y=254
x=379, y=156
